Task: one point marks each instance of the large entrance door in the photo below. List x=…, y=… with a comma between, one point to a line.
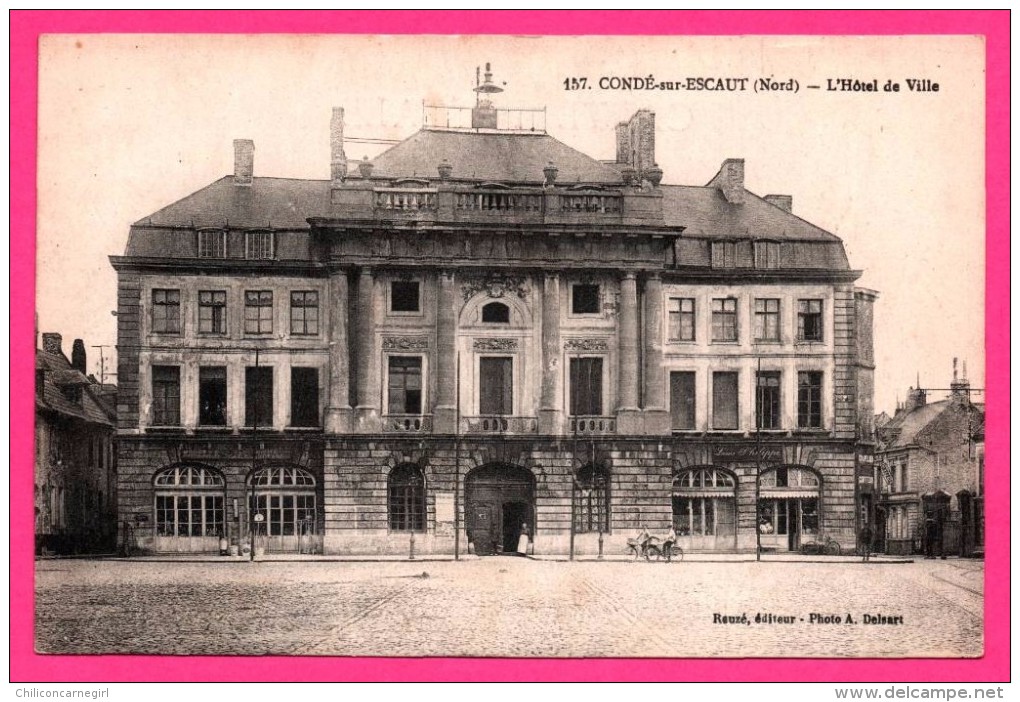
x=499, y=501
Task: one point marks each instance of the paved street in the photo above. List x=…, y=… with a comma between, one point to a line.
x=505, y=606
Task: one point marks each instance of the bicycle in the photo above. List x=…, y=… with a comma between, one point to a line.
x=829, y=547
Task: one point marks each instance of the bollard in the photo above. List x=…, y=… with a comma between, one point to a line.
x=600, y=545
x=411, y=556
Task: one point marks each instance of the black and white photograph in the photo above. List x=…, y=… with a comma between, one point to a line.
x=514, y=347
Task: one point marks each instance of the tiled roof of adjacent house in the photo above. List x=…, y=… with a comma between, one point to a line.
x=58, y=374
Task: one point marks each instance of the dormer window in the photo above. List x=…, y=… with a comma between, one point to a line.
x=724, y=254
x=766, y=254
x=496, y=313
x=258, y=245
x=212, y=243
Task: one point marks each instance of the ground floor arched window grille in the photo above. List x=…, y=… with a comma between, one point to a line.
x=704, y=503
x=285, y=496
x=591, y=500
x=406, y=491
x=189, y=502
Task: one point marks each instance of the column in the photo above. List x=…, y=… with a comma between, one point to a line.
x=628, y=415
x=655, y=411
x=550, y=413
x=338, y=414
x=367, y=412
x=444, y=414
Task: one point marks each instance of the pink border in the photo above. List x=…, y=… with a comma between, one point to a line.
x=26, y=26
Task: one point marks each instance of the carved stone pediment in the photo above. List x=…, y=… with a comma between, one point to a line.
x=491, y=344
x=495, y=286
x=405, y=343
x=586, y=345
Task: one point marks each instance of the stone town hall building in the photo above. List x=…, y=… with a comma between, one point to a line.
x=482, y=329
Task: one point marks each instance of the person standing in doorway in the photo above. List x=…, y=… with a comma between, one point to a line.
x=865, y=540
x=525, y=540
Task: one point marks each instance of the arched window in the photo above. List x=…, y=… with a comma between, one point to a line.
x=591, y=499
x=496, y=313
x=704, y=505
x=407, y=498
x=189, y=502
x=285, y=496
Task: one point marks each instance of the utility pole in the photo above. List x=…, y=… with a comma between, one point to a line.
x=102, y=362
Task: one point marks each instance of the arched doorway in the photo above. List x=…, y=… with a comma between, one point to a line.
x=284, y=496
x=189, y=509
x=499, y=500
x=705, y=509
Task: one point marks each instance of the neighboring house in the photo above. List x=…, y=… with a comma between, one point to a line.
x=480, y=329
x=75, y=475
x=929, y=469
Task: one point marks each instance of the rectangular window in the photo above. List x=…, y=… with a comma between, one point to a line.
x=212, y=244
x=166, y=311
x=681, y=400
x=809, y=400
x=166, y=396
x=212, y=311
x=258, y=245
x=724, y=319
x=681, y=319
x=258, y=396
x=724, y=254
x=724, y=401
x=405, y=296
x=767, y=400
x=766, y=254
x=304, y=312
x=809, y=320
x=304, y=397
x=405, y=385
x=212, y=396
x=584, y=299
x=495, y=386
x=585, y=387
x=766, y=320
x=258, y=311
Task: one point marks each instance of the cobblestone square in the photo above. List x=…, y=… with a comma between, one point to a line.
x=504, y=606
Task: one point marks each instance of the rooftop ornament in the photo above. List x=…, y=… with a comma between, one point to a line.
x=550, y=172
x=365, y=168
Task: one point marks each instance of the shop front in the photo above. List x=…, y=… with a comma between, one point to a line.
x=788, y=507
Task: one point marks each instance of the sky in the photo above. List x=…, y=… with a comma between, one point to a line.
x=131, y=123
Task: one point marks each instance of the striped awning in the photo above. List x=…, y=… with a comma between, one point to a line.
x=702, y=492
x=788, y=493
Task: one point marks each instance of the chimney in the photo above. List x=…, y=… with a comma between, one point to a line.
x=78, y=356
x=783, y=202
x=337, y=157
x=730, y=180
x=960, y=387
x=244, y=161
x=623, y=143
x=52, y=342
x=916, y=399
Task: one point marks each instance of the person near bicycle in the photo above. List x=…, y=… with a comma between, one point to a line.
x=643, y=539
x=667, y=543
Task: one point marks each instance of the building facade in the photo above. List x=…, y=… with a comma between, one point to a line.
x=929, y=476
x=75, y=470
x=483, y=331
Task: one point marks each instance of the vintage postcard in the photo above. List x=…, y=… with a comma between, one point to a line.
x=511, y=346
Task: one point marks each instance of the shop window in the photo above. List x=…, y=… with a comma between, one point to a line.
x=212, y=312
x=767, y=400
x=584, y=298
x=285, y=497
x=495, y=386
x=809, y=400
x=809, y=320
x=407, y=498
x=212, y=243
x=405, y=385
x=258, y=245
x=304, y=397
x=166, y=311
x=724, y=401
x=166, y=396
x=724, y=319
x=496, y=313
x=682, y=400
x=212, y=396
x=405, y=296
x=304, y=312
x=258, y=311
x=591, y=500
x=766, y=320
x=585, y=387
x=258, y=396
x=681, y=319
x=189, y=502
x=704, y=503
